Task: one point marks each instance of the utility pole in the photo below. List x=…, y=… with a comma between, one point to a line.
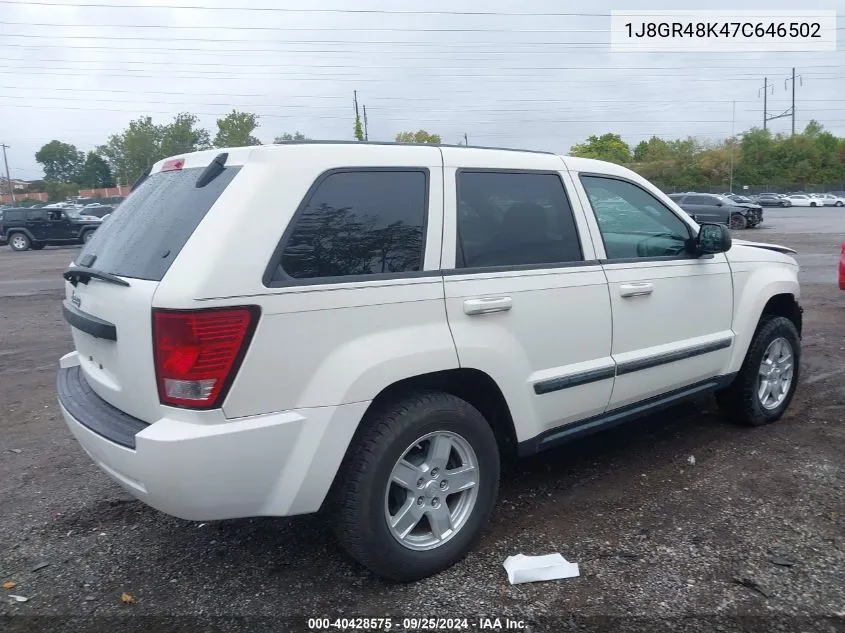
x=793, y=101
x=366, y=134
x=8, y=178
x=733, y=142
x=791, y=111
x=787, y=112
x=765, y=92
x=359, y=132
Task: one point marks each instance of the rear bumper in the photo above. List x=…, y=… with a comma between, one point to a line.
x=271, y=465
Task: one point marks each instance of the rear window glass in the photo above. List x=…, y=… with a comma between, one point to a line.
x=143, y=235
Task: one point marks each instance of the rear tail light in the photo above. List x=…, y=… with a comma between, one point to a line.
x=197, y=353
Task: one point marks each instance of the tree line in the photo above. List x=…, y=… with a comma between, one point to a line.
x=756, y=158
x=125, y=155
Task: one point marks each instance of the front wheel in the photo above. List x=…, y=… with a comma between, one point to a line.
x=812, y=204
x=766, y=382
x=839, y=203
x=417, y=486
x=19, y=242
x=738, y=222
x=86, y=237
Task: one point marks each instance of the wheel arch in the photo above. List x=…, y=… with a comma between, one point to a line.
x=472, y=385
x=771, y=291
x=17, y=229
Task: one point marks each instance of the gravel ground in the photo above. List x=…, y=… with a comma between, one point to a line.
x=749, y=538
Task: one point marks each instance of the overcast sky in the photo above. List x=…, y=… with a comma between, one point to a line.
x=534, y=80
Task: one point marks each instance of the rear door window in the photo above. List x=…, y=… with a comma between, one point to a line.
x=514, y=219
x=358, y=222
x=148, y=230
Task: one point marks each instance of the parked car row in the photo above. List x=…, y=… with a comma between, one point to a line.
x=795, y=199
x=708, y=207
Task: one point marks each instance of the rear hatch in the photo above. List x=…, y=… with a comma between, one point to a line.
x=111, y=284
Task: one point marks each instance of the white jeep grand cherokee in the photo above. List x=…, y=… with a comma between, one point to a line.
x=371, y=329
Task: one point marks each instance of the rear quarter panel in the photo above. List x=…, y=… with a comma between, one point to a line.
x=318, y=344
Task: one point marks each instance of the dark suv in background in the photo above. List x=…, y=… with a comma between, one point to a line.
x=708, y=207
x=772, y=200
x=34, y=229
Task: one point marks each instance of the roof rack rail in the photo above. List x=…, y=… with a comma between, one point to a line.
x=346, y=142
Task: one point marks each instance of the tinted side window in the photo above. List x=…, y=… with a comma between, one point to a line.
x=632, y=221
x=514, y=218
x=36, y=215
x=359, y=223
x=704, y=200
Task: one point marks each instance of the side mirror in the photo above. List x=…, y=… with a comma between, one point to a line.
x=712, y=238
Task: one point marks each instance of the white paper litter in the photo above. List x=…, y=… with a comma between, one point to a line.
x=18, y=598
x=522, y=568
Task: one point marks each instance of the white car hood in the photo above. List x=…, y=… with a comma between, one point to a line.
x=772, y=247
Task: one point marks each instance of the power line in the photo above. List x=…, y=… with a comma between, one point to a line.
x=579, y=107
x=392, y=29
x=296, y=10
x=417, y=119
x=329, y=10
x=171, y=64
x=340, y=77
x=287, y=104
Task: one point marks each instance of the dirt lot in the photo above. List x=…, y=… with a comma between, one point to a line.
x=750, y=537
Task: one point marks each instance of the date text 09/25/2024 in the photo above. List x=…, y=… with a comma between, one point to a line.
x=481, y=623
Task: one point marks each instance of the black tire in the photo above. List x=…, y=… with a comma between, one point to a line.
x=812, y=204
x=86, y=236
x=19, y=242
x=37, y=246
x=738, y=222
x=360, y=488
x=740, y=401
x=839, y=203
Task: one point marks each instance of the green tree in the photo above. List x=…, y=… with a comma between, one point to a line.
x=235, y=130
x=420, y=136
x=61, y=161
x=58, y=191
x=287, y=136
x=95, y=173
x=609, y=147
x=182, y=136
x=653, y=149
x=132, y=151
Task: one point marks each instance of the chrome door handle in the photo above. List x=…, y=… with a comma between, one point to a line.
x=636, y=290
x=486, y=305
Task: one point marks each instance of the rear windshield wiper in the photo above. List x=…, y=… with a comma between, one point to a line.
x=214, y=169
x=75, y=275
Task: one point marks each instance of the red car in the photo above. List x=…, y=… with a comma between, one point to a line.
x=842, y=268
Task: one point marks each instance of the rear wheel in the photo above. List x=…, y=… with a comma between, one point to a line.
x=417, y=486
x=766, y=382
x=86, y=237
x=19, y=242
x=738, y=222
x=812, y=204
